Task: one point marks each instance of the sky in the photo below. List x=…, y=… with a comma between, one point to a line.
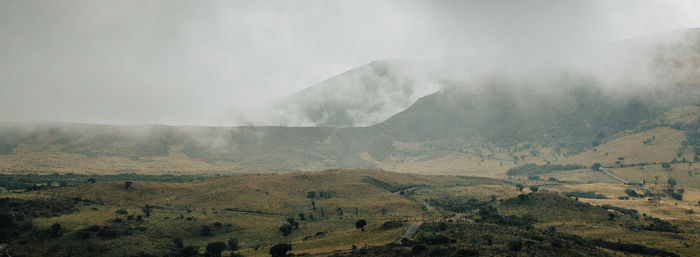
x=206, y=62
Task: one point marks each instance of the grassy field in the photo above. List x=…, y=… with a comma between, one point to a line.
x=252, y=208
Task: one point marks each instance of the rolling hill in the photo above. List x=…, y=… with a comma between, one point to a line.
x=480, y=124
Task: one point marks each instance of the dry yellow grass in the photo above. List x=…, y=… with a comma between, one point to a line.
x=278, y=196
x=631, y=147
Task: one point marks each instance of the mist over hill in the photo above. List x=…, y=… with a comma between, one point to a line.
x=425, y=110
x=362, y=96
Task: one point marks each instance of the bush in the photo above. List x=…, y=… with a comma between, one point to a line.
x=390, y=224
x=280, y=250
x=361, y=224
x=630, y=212
x=206, y=231
x=534, y=169
x=82, y=234
x=632, y=193
x=55, y=230
x=417, y=249
x=677, y=196
x=233, y=244
x=105, y=233
x=515, y=245
x=466, y=252
x=215, y=249
x=590, y=195
x=286, y=229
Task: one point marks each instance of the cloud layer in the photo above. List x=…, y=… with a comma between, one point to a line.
x=206, y=63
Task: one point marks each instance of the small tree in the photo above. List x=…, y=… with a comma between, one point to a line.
x=92, y=180
x=233, y=244
x=280, y=250
x=301, y=216
x=534, y=188
x=206, y=231
x=361, y=224
x=178, y=242
x=293, y=223
x=214, y=249
x=127, y=185
x=671, y=182
x=665, y=165
x=520, y=187
x=55, y=230
x=147, y=210
x=596, y=166
x=286, y=229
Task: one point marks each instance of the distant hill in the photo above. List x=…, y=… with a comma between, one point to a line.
x=482, y=123
x=362, y=96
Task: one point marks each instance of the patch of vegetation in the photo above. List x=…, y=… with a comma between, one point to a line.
x=589, y=194
x=535, y=169
x=32, y=182
x=457, y=204
x=629, y=212
x=387, y=186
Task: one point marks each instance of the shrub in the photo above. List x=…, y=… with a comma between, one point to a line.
x=178, y=242
x=417, y=249
x=105, y=233
x=390, y=224
x=215, y=248
x=361, y=224
x=233, y=244
x=466, y=252
x=677, y=196
x=632, y=193
x=590, y=194
x=280, y=250
x=206, y=231
x=82, y=234
x=286, y=229
x=55, y=230
x=515, y=245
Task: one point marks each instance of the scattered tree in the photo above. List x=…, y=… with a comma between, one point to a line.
x=147, y=210
x=293, y=223
x=671, y=182
x=286, y=229
x=520, y=187
x=361, y=224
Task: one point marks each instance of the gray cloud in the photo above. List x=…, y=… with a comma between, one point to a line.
x=207, y=62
